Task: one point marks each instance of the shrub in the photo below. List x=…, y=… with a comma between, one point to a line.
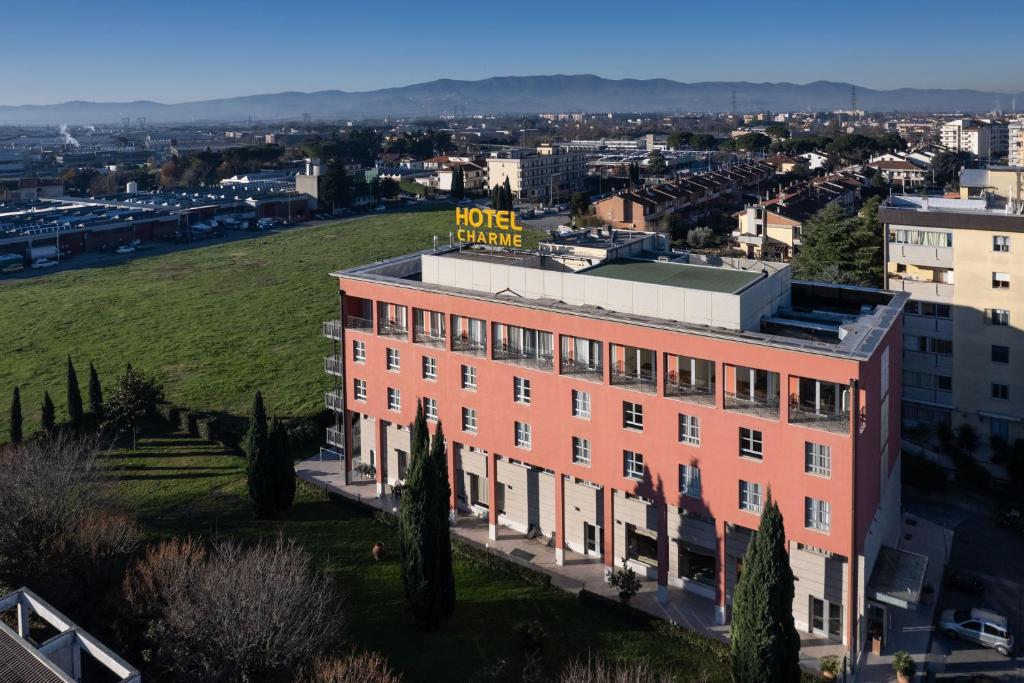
x=829, y=664
x=192, y=424
x=595, y=670
x=903, y=664
x=923, y=474
x=496, y=564
x=356, y=667
x=625, y=581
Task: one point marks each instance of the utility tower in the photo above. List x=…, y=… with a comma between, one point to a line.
x=126, y=123
x=141, y=123
x=853, y=101
x=733, y=100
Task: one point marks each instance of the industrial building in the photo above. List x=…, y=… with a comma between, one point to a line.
x=636, y=405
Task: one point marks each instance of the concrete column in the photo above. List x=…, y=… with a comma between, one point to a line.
x=24, y=617
x=559, y=518
x=453, y=501
x=722, y=382
x=346, y=418
x=720, y=604
x=785, y=390
x=492, y=489
x=608, y=531
x=662, y=512
x=380, y=444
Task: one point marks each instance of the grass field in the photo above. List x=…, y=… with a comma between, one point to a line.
x=213, y=324
x=177, y=486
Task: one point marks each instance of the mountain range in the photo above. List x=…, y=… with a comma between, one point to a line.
x=521, y=94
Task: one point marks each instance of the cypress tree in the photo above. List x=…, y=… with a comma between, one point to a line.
x=95, y=395
x=765, y=645
x=417, y=529
x=15, y=432
x=49, y=416
x=496, y=197
x=446, y=576
x=458, y=184
x=284, y=466
x=257, y=426
x=260, y=475
x=507, y=189
x=76, y=413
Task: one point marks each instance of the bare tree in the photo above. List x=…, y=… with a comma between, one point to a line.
x=230, y=612
x=595, y=670
x=356, y=667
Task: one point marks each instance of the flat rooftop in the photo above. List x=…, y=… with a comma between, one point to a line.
x=685, y=275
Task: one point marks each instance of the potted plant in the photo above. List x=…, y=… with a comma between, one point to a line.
x=625, y=581
x=829, y=667
x=904, y=666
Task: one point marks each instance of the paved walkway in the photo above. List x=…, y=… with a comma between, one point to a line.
x=579, y=572
x=911, y=630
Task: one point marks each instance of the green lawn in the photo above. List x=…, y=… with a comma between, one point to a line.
x=213, y=324
x=177, y=486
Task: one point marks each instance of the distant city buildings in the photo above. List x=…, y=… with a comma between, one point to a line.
x=547, y=174
x=984, y=138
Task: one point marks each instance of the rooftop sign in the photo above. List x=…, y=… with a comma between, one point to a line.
x=488, y=226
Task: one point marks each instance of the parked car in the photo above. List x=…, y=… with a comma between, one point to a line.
x=13, y=268
x=978, y=626
x=125, y=249
x=380, y=207
x=43, y=263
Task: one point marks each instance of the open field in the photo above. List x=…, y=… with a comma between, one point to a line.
x=177, y=486
x=213, y=324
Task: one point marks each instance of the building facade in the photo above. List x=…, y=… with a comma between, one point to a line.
x=984, y=138
x=636, y=406
x=1015, y=143
x=546, y=174
x=964, y=326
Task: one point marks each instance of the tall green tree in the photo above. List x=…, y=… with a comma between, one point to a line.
x=49, y=414
x=76, y=412
x=458, y=184
x=824, y=246
x=506, y=188
x=656, y=164
x=283, y=465
x=95, y=395
x=15, y=428
x=765, y=646
x=260, y=475
x=439, y=468
x=133, y=398
x=867, y=256
x=257, y=425
x=580, y=203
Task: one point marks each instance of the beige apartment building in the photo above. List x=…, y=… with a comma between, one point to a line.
x=547, y=174
x=960, y=260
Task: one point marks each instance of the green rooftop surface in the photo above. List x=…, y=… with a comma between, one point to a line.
x=707, y=278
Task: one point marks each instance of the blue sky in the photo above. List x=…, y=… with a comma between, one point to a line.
x=173, y=51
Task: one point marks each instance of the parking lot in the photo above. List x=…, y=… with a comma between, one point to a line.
x=996, y=557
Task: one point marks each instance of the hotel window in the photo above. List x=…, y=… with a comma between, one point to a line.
x=632, y=415
x=581, y=404
x=581, y=451
x=632, y=465
x=751, y=443
x=689, y=429
x=394, y=399
x=1000, y=280
x=469, y=377
x=394, y=360
x=521, y=389
x=469, y=420
x=1000, y=243
x=689, y=480
x=817, y=459
x=359, y=389
x=1001, y=392
x=998, y=316
x=429, y=367
x=750, y=496
x=359, y=351
x=430, y=409
x=1000, y=354
x=817, y=515
x=523, y=435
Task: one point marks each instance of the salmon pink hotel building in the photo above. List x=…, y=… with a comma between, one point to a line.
x=634, y=404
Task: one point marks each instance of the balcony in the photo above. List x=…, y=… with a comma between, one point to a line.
x=336, y=437
x=525, y=357
x=334, y=365
x=421, y=335
x=468, y=345
x=759, y=405
x=924, y=290
x=694, y=392
x=582, y=370
x=638, y=380
x=354, y=322
x=806, y=416
x=747, y=238
x=332, y=329
x=392, y=328
x=334, y=400
x=332, y=454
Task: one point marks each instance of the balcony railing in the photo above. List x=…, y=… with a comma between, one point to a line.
x=421, y=335
x=474, y=347
x=336, y=437
x=530, y=359
x=807, y=416
x=591, y=371
x=334, y=365
x=392, y=328
x=354, y=322
x=760, y=405
x=638, y=381
x=695, y=392
x=332, y=453
x=332, y=329
x=334, y=400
